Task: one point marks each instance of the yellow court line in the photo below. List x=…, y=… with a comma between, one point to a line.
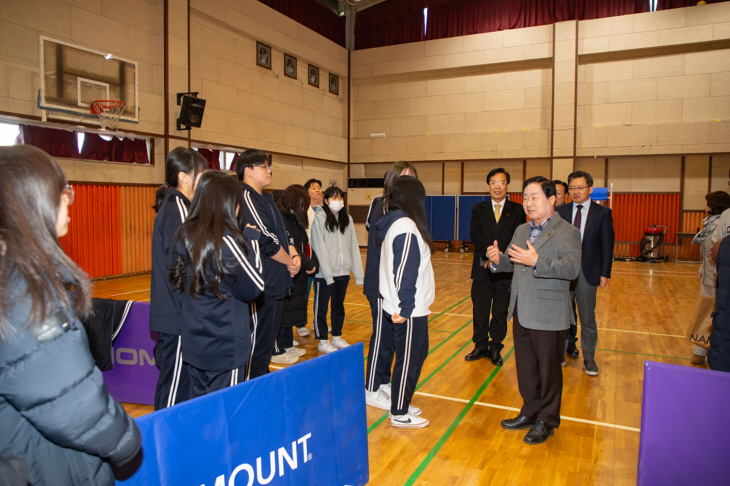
x=502, y=407
x=125, y=293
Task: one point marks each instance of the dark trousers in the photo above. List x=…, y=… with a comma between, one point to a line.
x=583, y=296
x=173, y=384
x=310, y=282
x=380, y=353
x=265, y=323
x=411, y=350
x=203, y=382
x=486, y=296
x=538, y=355
x=284, y=340
x=334, y=295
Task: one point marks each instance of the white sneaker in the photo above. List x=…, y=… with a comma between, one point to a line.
x=303, y=331
x=414, y=410
x=296, y=351
x=285, y=358
x=385, y=389
x=377, y=399
x=408, y=421
x=329, y=329
x=326, y=347
x=339, y=343
x=295, y=342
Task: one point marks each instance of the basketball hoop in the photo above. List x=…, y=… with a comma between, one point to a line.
x=109, y=112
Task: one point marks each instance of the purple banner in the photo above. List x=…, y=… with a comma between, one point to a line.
x=134, y=377
x=683, y=439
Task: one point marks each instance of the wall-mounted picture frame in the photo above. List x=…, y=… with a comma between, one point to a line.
x=290, y=66
x=334, y=84
x=313, y=76
x=263, y=55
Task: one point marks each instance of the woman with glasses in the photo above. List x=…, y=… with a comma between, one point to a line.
x=335, y=243
x=56, y=415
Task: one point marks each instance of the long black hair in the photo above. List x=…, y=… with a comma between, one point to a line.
x=409, y=195
x=295, y=200
x=181, y=159
x=31, y=187
x=392, y=174
x=212, y=211
x=342, y=220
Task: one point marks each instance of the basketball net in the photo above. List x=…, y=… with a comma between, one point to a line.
x=109, y=112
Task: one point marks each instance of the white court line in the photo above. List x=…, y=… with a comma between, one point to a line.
x=459, y=315
x=502, y=407
x=639, y=332
x=125, y=293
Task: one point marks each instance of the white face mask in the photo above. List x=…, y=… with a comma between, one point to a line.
x=335, y=206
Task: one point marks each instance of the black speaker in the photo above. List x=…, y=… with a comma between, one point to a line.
x=191, y=111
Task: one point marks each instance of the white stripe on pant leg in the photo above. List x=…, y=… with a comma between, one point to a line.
x=376, y=349
x=175, y=375
x=255, y=320
x=406, y=362
x=316, y=309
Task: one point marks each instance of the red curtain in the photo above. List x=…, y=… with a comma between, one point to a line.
x=58, y=143
x=114, y=150
x=212, y=156
x=667, y=4
x=314, y=15
x=391, y=23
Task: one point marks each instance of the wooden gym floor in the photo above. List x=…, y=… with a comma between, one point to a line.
x=642, y=315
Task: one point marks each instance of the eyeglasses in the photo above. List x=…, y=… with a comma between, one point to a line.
x=70, y=193
x=266, y=166
x=498, y=183
x=578, y=188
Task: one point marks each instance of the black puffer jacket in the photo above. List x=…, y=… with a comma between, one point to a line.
x=719, y=355
x=55, y=411
x=295, y=305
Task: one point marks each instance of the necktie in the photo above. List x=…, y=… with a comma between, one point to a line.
x=578, y=217
x=497, y=212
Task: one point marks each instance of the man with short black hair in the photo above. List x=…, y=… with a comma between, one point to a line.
x=280, y=261
x=595, y=223
x=561, y=189
x=544, y=256
x=491, y=220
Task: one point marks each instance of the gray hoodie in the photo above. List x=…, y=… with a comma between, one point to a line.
x=337, y=253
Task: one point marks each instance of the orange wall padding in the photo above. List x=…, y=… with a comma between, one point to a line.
x=137, y=220
x=691, y=220
x=633, y=213
x=515, y=197
x=111, y=229
x=94, y=234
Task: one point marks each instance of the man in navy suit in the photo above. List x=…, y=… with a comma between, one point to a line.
x=595, y=223
x=492, y=220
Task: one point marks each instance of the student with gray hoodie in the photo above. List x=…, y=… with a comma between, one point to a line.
x=335, y=243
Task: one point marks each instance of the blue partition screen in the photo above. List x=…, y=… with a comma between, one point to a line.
x=441, y=213
x=466, y=204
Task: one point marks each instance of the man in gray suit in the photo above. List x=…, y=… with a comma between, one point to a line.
x=545, y=256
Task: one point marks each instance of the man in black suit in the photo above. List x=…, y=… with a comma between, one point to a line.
x=492, y=220
x=595, y=223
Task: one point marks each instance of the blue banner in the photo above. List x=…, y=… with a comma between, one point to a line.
x=303, y=425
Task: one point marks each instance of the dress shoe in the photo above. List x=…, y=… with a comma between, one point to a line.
x=590, y=367
x=697, y=359
x=517, y=423
x=539, y=433
x=572, y=350
x=477, y=354
x=495, y=357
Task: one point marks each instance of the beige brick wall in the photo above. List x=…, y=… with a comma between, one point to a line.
x=645, y=174
x=298, y=170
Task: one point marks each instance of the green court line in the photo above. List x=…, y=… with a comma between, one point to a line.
x=425, y=380
x=427, y=460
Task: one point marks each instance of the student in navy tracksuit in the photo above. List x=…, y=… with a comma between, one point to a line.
x=280, y=260
x=407, y=288
x=380, y=354
x=182, y=169
x=217, y=274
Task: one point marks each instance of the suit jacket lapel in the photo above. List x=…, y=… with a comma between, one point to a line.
x=547, y=232
x=504, y=216
x=490, y=218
